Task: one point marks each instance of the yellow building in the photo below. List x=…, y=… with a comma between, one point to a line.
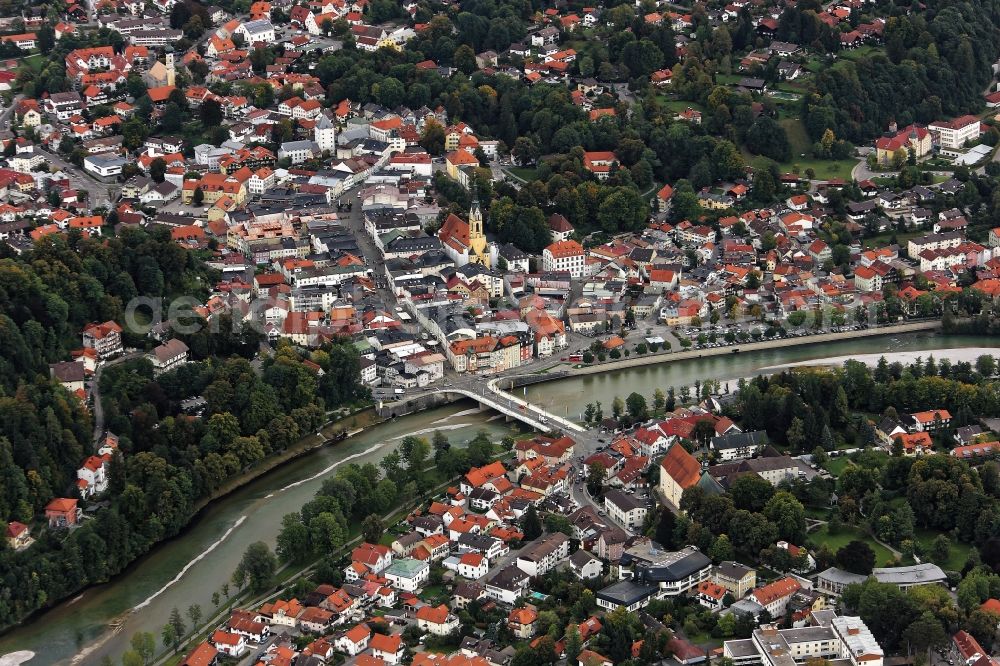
x=478, y=251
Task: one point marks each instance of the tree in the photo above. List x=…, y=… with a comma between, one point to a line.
x=721, y=550
x=665, y=525
x=856, y=557
x=144, y=644
x=210, y=113
x=788, y=514
x=258, y=565
x=925, y=633
x=659, y=400
x=617, y=407
x=194, y=612
x=168, y=635
x=198, y=197
x=766, y=137
x=751, y=492
x=574, y=643
x=636, y=405
x=531, y=525
x=293, y=540
x=158, y=169
x=595, y=478
x=372, y=528
x=177, y=622
x=796, y=434
x=465, y=59
x=940, y=548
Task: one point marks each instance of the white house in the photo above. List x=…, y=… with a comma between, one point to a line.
x=564, y=255
x=354, y=641
x=230, y=644
x=437, y=621
x=473, y=565
x=407, y=575
x=625, y=509
x=387, y=648
x=92, y=477
x=260, y=30
x=542, y=555
x=169, y=355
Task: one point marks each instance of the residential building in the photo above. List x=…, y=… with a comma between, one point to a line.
x=61, y=512
x=541, y=556
x=389, y=649
x=522, y=622
x=105, y=339
x=736, y=578
x=679, y=471
x=169, y=355
x=567, y=255
x=437, y=621
x=407, y=575
x=507, y=584
x=625, y=508
x=774, y=596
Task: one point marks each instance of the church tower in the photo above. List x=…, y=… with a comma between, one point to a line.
x=475, y=220
x=478, y=250
x=171, y=72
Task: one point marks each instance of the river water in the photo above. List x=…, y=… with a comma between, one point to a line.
x=188, y=569
x=212, y=546
x=569, y=397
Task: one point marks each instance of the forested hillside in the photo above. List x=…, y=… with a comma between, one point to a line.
x=167, y=460
x=936, y=64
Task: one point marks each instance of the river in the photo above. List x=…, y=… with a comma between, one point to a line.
x=218, y=536
x=186, y=570
x=569, y=397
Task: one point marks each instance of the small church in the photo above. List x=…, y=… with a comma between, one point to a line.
x=465, y=242
x=162, y=73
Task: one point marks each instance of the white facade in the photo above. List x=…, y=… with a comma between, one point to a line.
x=256, y=31
x=408, y=575
x=560, y=260
x=953, y=134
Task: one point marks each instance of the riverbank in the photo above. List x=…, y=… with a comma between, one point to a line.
x=352, y=424
x=777, y=343
x=186, y=570
x=256, y=506
x=962, y=355
x=359, y=422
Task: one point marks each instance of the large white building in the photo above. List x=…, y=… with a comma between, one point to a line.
x=325, y=134
x=952, y=134
x=831, y=638
x=541, y=556
x=407, y=575
x=260, y=30
x=564, y=255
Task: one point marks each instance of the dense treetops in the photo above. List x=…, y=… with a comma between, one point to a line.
x=168, y=461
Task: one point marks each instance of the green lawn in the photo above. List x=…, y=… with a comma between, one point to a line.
x=881, y=240
x=35, y=62
x=858, y=53
x=802, y=154
x=817, y=513
x=678, y=105
x=524, y=173
x=845, y=535
x=836, y=466
x=705, y=640
x=958, y=553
